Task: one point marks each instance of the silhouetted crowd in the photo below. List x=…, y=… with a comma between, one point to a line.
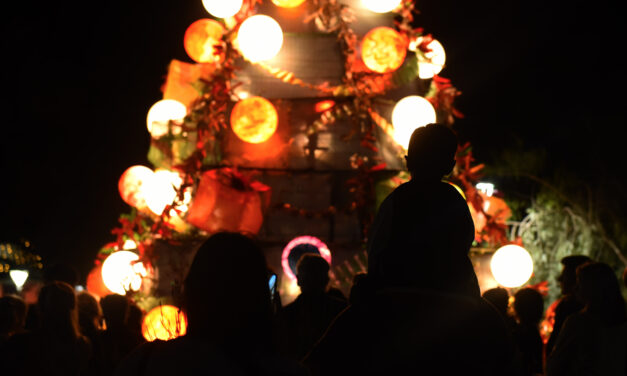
x=417, y=311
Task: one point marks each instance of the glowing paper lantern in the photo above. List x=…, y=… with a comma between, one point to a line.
x=381, y=6
x=132, y=186
x=431, y=62
x=511, y=265
x=254, y=120
x=162, y=190
x=383, y=49
x=121, y=272
x=200, y=40
x=307, y=241
x=222, y=8
x=259, y=38
x=18, y=277
x=160, y=115
x=288, y=3
x=408, y=114
x=164, y=322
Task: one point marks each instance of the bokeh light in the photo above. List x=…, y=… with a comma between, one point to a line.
x=161, y=113
x=18, y=277
x=259, y=38
x=381, y=6
x=164, y=322
x=121, y=272
x=408, y=114
x=254, y=119
x=511, y=265
x=132, y=186
x=95, y=285
x=383, y=49
x=306, y=244
x=200, y=40
x=222, y=8
x=288, y=3
x=431, y=62
x=162, y=190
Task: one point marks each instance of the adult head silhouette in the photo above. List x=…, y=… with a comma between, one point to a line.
x=114, y=310
x=431, y=152
x=59, y=314
x=568, y=277
x=598, y=288
x=499, y=297
x=89, y=313
x=312, y=273
x=12, y=315
x=528, y=306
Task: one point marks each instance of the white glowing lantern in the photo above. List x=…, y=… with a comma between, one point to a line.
x=429, y=63
x=511, y=265
x=381, y=6
x=162, y=190
x=19, y=277
x=160, y=115
x=259, y=38
x=121, y=272
x=222, y=8
x=408, y=114
x=129, y=244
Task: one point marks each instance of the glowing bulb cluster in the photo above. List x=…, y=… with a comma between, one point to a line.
x=162, y=113
x=122, y=272
x=259, y=38
x=144, y=189
x=511, y=265
x=408, y=114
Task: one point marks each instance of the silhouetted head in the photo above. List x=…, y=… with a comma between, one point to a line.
x=57, y=304
x=135, y=317
x=528, y=306
x=12, y=315
x=226, y=289
x=312, y=272
x=568, y=276
x=499, y=297
x=360, y=289
x=599, y=290
x=114, y=310
x=89, y=312
x=431, y=151
x=61, y=272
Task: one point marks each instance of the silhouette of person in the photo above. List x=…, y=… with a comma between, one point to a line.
x=593, y=341
x=57, y=348
x=568, y=302
x=90, y=319
x=499, y=298
x=360, y=289
x=304, y=320
x=229, y=315
x=12, y=317
x=528, y=307
x=423, y=230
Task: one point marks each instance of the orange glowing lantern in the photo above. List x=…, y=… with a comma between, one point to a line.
x=383, y=49
x=164, y=322
x=132, y=186
x=324, y=105
x=288, y=3
x=95, y=284
x=254, y=120
x=200, y=40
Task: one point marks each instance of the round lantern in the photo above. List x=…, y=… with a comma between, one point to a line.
x=160, y=115
x=381, y=6
x=259, y=38
x=429, y=63
x=95, y=284
x=383, y=49
x=288, y=3
x=164, y=322
x=299, y=246
x=200, y=40
x=408, y=114
x=121, y=272
x=132, y=186
x=511, y=265
x=162, y=191
x=254, y=119
x=222, y=8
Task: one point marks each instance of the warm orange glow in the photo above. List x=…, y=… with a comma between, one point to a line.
x=324, y=105
x=164, y=322
x=132, y=186
x=95, y=285
x=200, y=40
x=383, y=49
x=254, y=120
x=259, y=38
x=288, y=3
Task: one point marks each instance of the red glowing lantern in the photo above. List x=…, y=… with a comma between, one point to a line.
x=254, y=120
x=95, y=284
x=200, y=40
x=132, y=186
x=383, y=49
x=225, y=201
x=164, y=322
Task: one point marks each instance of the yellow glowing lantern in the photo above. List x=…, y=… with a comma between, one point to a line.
x=122, y=272
x=160, y=115
x=222, y=8
x=254, y=120
x=408, y=114
x=431, y=62
x=200, y=40
x=164, y=322
x=511, y=265
x=162, y=190
x=381, y=6
x=259, y=38
x=288, y=3
x=383, y=49
x=132, y=185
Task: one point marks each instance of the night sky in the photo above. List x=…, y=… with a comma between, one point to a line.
x=78, y=82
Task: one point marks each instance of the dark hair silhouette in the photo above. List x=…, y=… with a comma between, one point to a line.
x=12, y=315
x=431, y=151
x=59, y=313
x=598, y=289
x=312, y=272
x=499, y=297
x=114, y=310
x=360, y=289
x=568, y=276
x=89, y=313
x=528, y=306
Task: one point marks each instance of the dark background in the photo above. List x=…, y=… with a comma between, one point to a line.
x=78, y=80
